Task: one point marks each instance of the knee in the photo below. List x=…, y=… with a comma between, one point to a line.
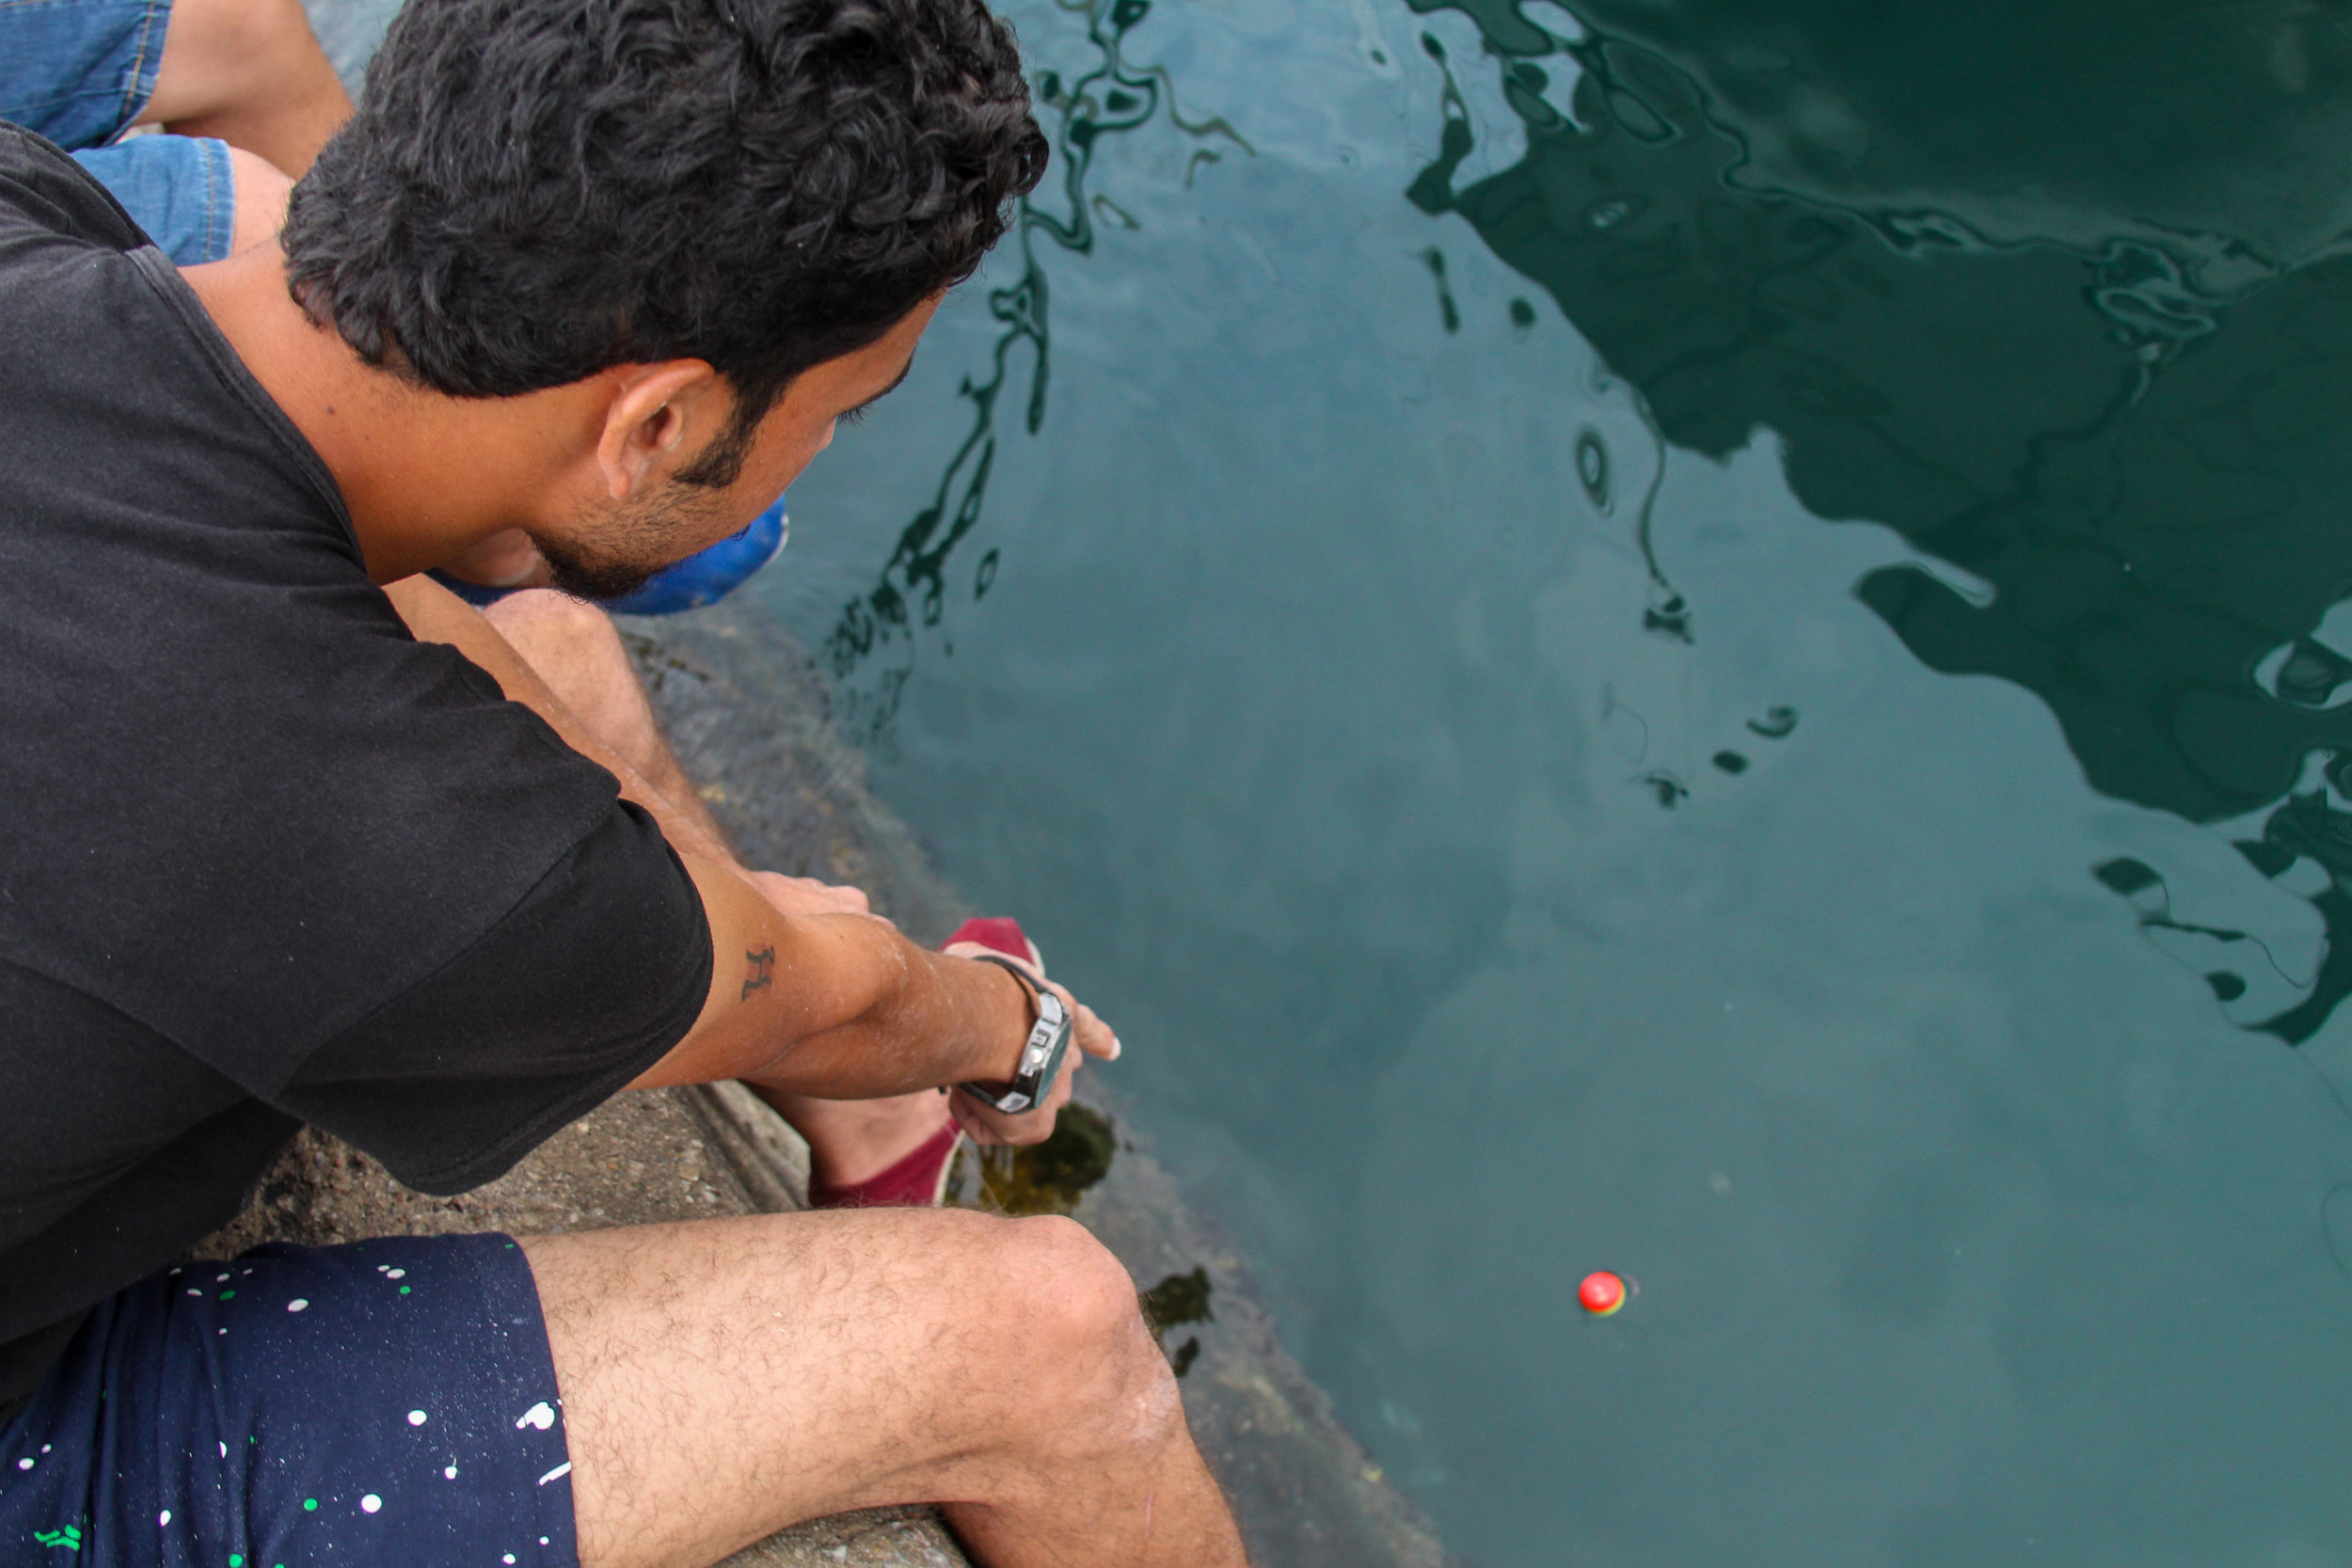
x=1098, y=1379
x=543, y=618
x=261, y=192
x=237, y=43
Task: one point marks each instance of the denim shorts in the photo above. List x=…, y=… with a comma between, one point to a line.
x=390, y=1402
x=79, y=72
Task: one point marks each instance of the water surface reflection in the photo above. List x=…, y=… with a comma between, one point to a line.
x=2151, y=510
x=1702, y=639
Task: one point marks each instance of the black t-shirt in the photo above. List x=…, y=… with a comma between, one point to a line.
x=264, y=858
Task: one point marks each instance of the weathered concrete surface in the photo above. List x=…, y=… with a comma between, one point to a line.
x=748, y=714
x=747, y=709
x=641, y=1159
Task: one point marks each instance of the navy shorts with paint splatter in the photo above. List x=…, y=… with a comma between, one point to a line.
x=386, y=1403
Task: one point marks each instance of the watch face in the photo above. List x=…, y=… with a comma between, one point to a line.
x=1040, y=1060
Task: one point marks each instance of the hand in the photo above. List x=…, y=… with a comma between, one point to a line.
x=1089, y=1034
x=799, y=896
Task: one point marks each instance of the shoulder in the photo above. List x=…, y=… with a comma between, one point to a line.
x=45, y=194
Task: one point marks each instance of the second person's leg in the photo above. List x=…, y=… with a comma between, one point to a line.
x=251, y=73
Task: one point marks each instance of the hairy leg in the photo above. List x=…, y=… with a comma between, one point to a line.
x=251, y=72
x=577, y=651
x=725, y=1378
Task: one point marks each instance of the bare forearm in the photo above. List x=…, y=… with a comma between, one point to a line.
x=837, y=1005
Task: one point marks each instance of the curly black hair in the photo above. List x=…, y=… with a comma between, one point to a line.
x=534, y=190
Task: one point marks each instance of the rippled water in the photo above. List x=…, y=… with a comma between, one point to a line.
x=1700, y=639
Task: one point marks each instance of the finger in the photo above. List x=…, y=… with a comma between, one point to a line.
x=1086, y=1028
x=803, y=895
x=976, y=1123
x=1093, y=1035
x=850, y=899
x=989, y=1126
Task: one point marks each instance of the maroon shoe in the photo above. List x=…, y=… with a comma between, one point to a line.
x=999, y=934
x=919, y=1180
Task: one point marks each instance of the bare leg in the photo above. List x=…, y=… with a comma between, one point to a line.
x=251, y=72
x=723, y=1379
x=507, y=560
x=262, y=189
x=849, y=1140
x=577, y=651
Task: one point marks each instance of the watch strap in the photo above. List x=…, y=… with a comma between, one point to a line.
x=1042, y=1051
x=1014, y=968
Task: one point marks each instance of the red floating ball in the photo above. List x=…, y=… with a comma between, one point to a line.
x=1601, y=1293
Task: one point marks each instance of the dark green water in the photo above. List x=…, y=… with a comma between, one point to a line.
x=1697, y=639
x=1700, y=639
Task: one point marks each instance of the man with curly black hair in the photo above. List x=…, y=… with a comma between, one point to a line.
x=298, y=836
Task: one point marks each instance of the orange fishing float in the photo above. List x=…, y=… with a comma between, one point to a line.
x=1601, y=1294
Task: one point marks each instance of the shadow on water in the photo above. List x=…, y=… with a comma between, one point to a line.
x=1053, y=1178
x=2094, y=352
x=1048, y=1178
x=1176, y=1302
x=1113, y=97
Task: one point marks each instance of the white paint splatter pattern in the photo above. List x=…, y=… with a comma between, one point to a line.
x=541, y=1417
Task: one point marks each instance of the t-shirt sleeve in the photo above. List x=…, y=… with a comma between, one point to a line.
x=599, y=971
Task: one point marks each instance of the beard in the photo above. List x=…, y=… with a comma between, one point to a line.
x=571, y=572
x=621, y=550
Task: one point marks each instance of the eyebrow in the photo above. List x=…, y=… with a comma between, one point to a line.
x=896, y=382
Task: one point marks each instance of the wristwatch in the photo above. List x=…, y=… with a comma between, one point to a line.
x=1041, y=1054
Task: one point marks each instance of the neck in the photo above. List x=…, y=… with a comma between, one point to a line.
x=424, y=475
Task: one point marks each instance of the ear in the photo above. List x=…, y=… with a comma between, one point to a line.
x=655, y=410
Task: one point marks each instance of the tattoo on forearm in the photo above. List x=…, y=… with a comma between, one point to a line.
x=763, y=970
